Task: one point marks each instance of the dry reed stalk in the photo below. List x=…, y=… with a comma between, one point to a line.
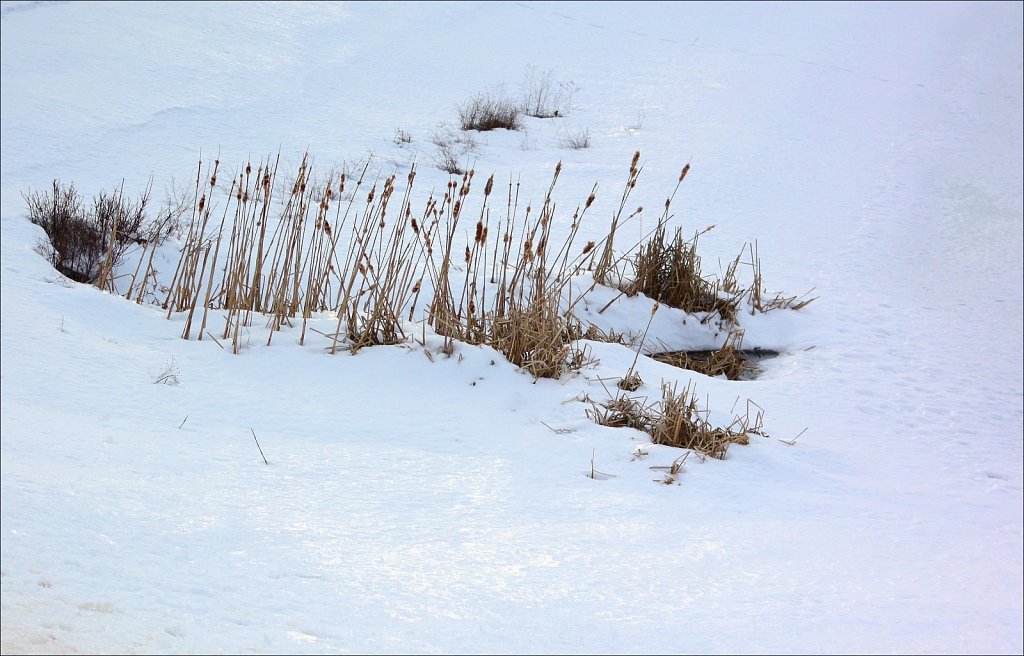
x=604, y=265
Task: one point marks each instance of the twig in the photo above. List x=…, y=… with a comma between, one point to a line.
x=182, y=422
x=258, y=446
x=792, y=442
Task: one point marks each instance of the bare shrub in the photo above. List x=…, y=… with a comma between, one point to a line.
x=170, y=375
x=88, y=243
x=575, y=140
x=402, y=138
x=76, y=243
x=543, y=96
x=451, y=146
x=489, y=111
x=447, y=159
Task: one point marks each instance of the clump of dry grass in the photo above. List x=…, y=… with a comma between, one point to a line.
x=728, y=361
x=490, y=111
x=757, y=297
x=677, y=420
x=622, y=411
x=680, y=423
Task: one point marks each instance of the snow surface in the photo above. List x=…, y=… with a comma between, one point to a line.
x=442, y=505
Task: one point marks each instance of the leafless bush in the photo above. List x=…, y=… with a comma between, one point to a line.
x=575, y=140
x=543, y=96
x=88, y=243
x=451, y=146
x=76, y=244
x=402, y=138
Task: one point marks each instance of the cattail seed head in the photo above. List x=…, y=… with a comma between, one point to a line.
x=489, y=186
x=589, y=247
x=590, y=200
x=682, y=174
x=467, y=254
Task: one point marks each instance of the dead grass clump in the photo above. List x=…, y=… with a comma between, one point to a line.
x=537, y=338
x=758, y=298
x=728, y=361
x=631, y=382
x=669, y=271
x=679, y=422
x=623, y=411
x=490, y=111
x=610, y=336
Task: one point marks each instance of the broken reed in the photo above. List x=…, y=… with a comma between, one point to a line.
x=257, y=246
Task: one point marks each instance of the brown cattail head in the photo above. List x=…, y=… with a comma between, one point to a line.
x=489, y=185
x=478, y=237
x=467, y=254
x=415, y=226
x=416, y=287
x=248, y=168
x=369, y=196
x=682, y=174
x=589, y=247
x=590, y=200
x=483, y=237
x=655, y=308
x=636, y=158
x=266, y=179
x=202, y=203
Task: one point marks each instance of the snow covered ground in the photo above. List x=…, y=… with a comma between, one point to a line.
x=418, y=505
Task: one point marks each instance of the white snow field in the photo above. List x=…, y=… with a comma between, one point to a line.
x=411, y=504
